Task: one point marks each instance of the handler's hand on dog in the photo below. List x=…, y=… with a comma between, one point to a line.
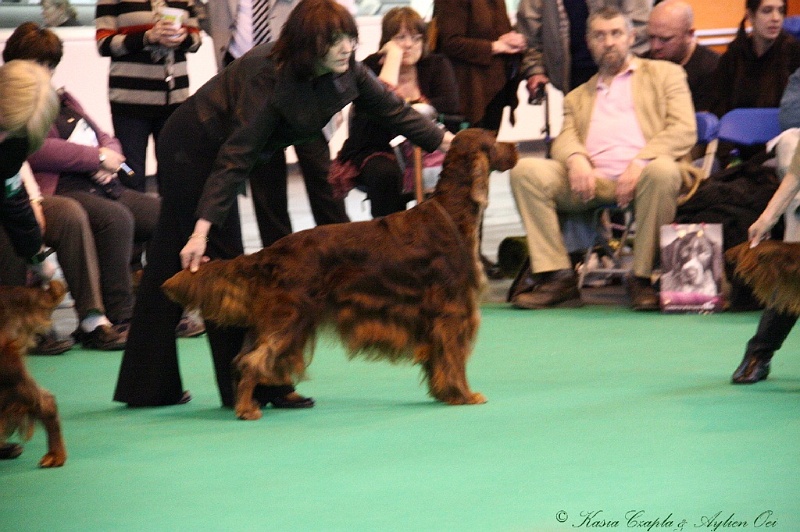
x=192, y=254
x=446, y=140
x=758, y=231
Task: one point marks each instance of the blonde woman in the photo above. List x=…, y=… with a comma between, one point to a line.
x=28, y=106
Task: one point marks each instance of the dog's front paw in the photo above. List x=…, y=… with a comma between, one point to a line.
x=248, y=413
x=476, y=399
x=53, y=459
x=468, y=399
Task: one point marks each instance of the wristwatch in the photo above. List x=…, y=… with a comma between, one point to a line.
x=40, y=257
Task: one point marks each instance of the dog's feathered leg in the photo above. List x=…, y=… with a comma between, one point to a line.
x=248, y=366
x=48, y=414
x=446, y=360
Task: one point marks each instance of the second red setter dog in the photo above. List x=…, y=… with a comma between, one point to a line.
x=406, y=286
x=772, y=270
x=24, y=312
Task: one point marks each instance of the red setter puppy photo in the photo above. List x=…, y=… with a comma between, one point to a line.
x=24, y=312
x=403, y=287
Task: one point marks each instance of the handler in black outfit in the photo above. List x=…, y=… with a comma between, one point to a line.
x=266, y=100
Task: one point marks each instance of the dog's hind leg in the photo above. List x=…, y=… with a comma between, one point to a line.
x=444, y=361
x=48, y=414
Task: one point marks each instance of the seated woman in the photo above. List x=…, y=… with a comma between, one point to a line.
x=415, y=76
x=755, y=69
x=92, y=220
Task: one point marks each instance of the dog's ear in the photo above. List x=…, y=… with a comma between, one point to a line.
x=479, y=192
x=503, y=156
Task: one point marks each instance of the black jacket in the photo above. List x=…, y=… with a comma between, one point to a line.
x=16, y=215
x=252, y=107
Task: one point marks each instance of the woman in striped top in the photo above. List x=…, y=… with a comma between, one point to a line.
x=148, y=77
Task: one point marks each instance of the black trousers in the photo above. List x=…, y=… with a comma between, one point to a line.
x=149, y=374
x=384, y=181
x=773, y=328
x=268, y=185
x=117, y=225
x=134, y=134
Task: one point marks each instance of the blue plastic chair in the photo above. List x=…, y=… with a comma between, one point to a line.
x=749, y=126
x=791, y=25
x=708, y=134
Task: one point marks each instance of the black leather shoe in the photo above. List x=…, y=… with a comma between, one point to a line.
x=103, y=338
x=295, y=402
x=49, y=344
x=751, y=370
x=185, y=397
x=523, y=282
x=642, y=293
x=9, y=451
x=551, y=289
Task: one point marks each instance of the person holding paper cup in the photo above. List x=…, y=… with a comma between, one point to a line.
x=148, y=78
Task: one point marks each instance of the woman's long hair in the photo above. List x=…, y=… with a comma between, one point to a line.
x=312, y=27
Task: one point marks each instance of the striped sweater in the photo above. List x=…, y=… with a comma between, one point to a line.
x=144, y=81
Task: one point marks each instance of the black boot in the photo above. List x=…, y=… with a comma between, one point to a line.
x=773, y=328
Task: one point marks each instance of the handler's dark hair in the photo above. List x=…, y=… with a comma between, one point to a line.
x=312, y=27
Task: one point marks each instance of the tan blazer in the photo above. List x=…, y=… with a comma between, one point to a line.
x=663, y=105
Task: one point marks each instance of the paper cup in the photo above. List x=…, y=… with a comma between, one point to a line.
x=173, y=15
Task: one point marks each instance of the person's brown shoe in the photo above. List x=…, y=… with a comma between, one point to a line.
x=556, y=289
x=49, y=344
x=103, y=338
x=643, y=294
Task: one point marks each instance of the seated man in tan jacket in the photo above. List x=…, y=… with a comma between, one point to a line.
x=624, y=132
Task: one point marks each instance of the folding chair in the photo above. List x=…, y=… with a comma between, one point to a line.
x=617, y=250
x=708, y=134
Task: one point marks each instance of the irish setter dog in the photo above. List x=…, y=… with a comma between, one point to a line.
x=24, y=312
x=772, y=270
x=405, y=286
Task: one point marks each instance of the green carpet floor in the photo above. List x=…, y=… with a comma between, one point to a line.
x=597, y=418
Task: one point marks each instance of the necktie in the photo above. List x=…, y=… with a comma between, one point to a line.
x=261, y=31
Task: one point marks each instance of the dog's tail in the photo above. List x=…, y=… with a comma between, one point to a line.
x=219, y=290
x=772, y=270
